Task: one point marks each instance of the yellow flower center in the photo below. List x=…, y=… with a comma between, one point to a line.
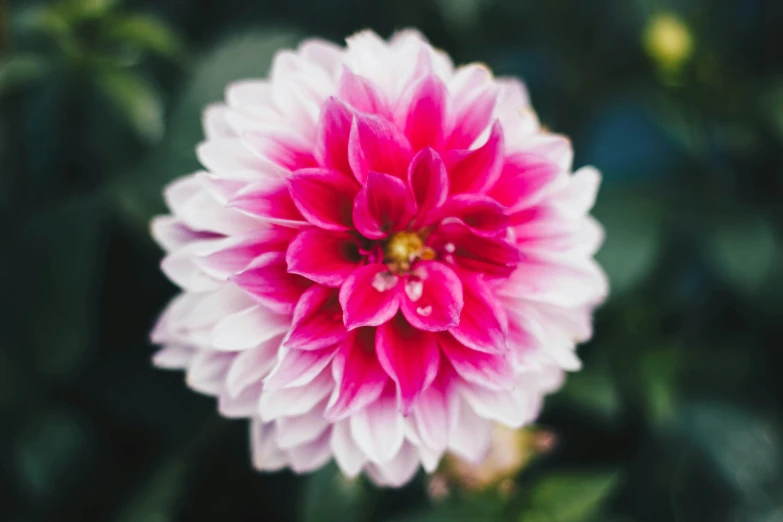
x=404, y=248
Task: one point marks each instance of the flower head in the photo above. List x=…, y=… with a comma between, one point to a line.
x=384, y=255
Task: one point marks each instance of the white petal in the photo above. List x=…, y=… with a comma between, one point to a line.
x=310, y=456
x=295, y=401
x=207, y=371
x=243, y=405
x=470, y=435
x=263, y=443
x=379, y=429
x=173, y=357
x=250, y=366
x=397, y=471
x=300, y=429
x=347, y=454
x=248, y=328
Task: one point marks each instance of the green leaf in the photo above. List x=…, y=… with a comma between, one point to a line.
x=569, y=496
x=145, y=33
x=743, y=251
x=594, y=390
x=658, y=380
x=58, y=306
x=633, y=234
x=157, y=500
x=328, y=495
x=136, y=100
x=137, y=195
x=21, y=70
x=48, y=450
x=745, y=447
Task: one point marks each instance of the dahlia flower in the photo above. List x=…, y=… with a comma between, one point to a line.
x=384, y=255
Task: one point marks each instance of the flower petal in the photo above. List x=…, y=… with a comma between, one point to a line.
x=324, y=197
x=359, y=376
x=269, y=200
x=522, y=179
x=298, y=367
x=325, y=257
x=379, y=429
x=491, y=256
x=347, y=454
x=334, y=129
x=478, y=169
x=410, y=357
x=483, y=324
x=424, y=112
x=317, y=321
x=267, y=280
x=359, y=93
x=248, y=328
x=286, y=402
x=376, y=144
x=384, y=205
x=252, y=365
x=482, y=214
x=432, y=299
x=370, y=296
x=490, y=370
x=428, y=182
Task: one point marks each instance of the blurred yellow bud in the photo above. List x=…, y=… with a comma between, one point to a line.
x=510, y=451
x=668, y=41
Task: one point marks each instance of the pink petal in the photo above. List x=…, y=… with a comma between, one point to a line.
x=324, y=197
x=424, y=113
x=317, y=321
x=378, y=429
x=478, y=169
x=474, y=103
x=269, y=200
x=489, y=370
x=491, y=256
x=384, y=205
x=334, y=129
x=376, y=144
x=287, y=151
x=522, y=178
x=410, y=357
x=370, y=296
x=298, y=367
x=482, y=214
x=482, y=325
x=325, y=257
x=359, y=376
x=235, y=257
x=359, y=93
x=428, y=181
x=267, y=279
x=432, y=299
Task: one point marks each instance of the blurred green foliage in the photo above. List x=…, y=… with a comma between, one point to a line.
x=100, y=107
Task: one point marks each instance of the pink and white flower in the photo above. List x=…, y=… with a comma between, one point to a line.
x=384, y=255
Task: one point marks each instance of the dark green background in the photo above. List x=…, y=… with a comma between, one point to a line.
x=677, y=413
